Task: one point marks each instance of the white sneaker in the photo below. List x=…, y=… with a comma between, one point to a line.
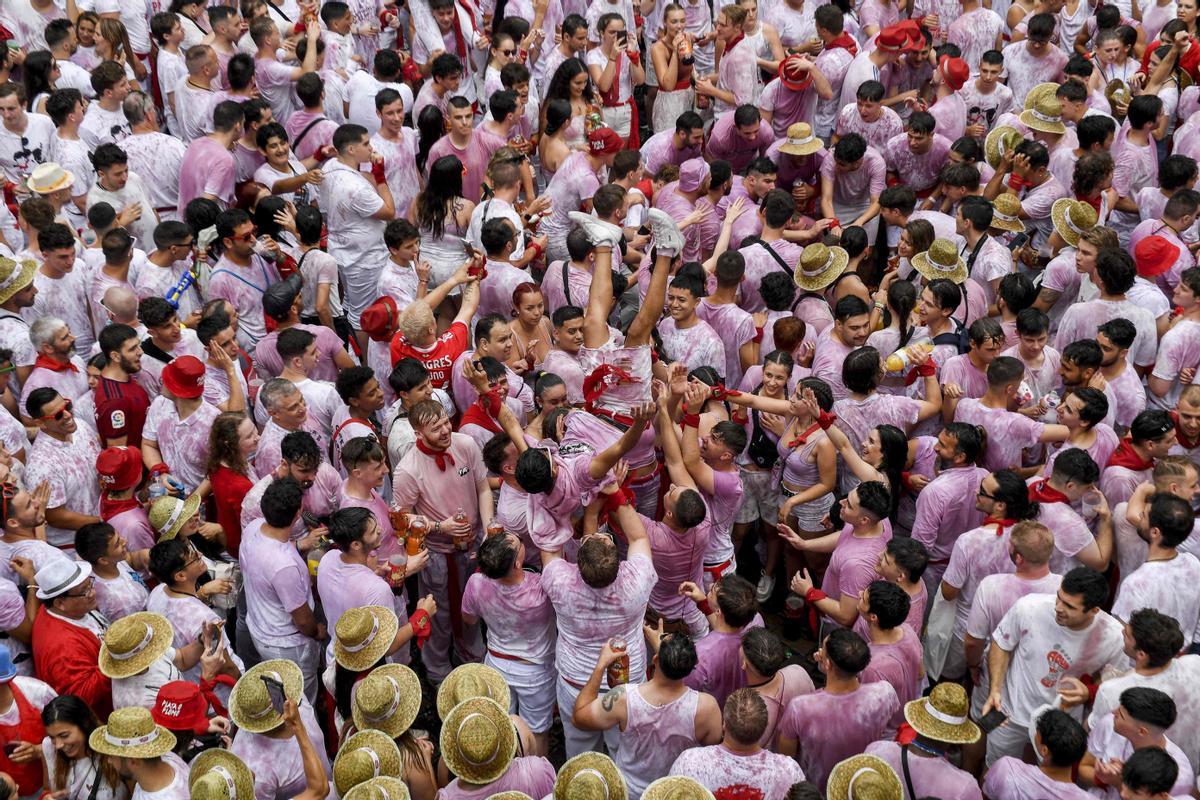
x=599, y=231
x=668, y=239
x=766, y=587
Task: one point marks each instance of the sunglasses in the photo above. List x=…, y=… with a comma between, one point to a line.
x=8, y=490
x=508, y=52
x=249, y=236
x=61, y=413
x=984, y=493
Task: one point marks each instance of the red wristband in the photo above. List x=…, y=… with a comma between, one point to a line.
x=758, y=335
x=159, y=469
x=537, y=250
x=927, y=370
x=691, y=420
x=705, y=607
x=377, y=172
x=825, y=419
x=421, y=627
x=906, y=480
x=814, y=594
x=621, y=497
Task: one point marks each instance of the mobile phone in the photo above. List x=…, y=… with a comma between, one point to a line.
x=992, y=720
x=468, y=248
x=623, y=38
x=275, y=692
x=215, y=633
x=1018, y=241
x=310, y=520
x=11, y=747
x=644, y=230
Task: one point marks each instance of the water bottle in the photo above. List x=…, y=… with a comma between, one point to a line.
x=902, y=359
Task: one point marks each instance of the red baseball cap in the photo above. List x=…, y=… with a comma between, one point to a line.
x=180, y=706
x=604, y=141
x=1154, y=255
x=381, y=319
x=119, y=468
x=184, y=377
x=955, y=72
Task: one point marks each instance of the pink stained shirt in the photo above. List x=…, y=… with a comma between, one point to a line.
x=276, y=763
x=1010, y=779
x=268, y=364
x=1167, y=586
x=496, y=290
x=183, y=443
x=696, y=346
x=960, y=371
x=919, y=170
x=243, y=288
x=317, y=136
x=418, y=484
x=761, y=774
x=519, y=617
x=1008, y=433
x=320, y=499
x=207, y=169
x=70, y=469
x=827, y=362
x=759, y=263
x=532, y=775
x=660, y=150
x=678, y=557
x=877, y=133
x=342, y=586
x=931, y=777
x=474, y=158
x=832, y=727
x=734, y=328
x=277, y=583
x=858, y=188
x=950, y=116
x=718, y=666
x=852, y=565
x=573, y=184
x=268, y=455
x=568, y=368
x=724, y=142
x=899, y=664
x=948, y=510
x=1024, y=71
x=978, y=554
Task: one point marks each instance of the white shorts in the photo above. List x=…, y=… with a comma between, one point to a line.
x=761, y=497
x=532, y=687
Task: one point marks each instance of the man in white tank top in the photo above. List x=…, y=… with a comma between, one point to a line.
x=658, y=719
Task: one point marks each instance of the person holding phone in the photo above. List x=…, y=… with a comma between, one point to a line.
x=615, y=68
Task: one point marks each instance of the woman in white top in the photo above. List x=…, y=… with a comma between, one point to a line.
x=40, y=73
x=766, y=37
x=71, y=764
x=192, y=18
x=442, y=215
x=1113, y=61
x=112, y=44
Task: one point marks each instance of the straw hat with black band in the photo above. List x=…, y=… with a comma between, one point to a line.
x=590, y=776
x=472, y=680
x=133, y=643
x=218, y=774
x=250, y=705
x=381, y=788
x=819, y=266
x=942, y=716
x=478, y=740
x=1072, y=219
x=388, y=700
x=864, y=777
x=677, y=787
x=941, y=260
x=366, y=755
x=363, y=636
x=132, y=733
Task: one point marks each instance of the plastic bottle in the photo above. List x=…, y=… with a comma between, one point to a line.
x=902, y=360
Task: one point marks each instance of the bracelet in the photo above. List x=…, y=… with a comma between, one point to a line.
x=814, y=594
x=705, y=607
x=880, y=306
x=826, y=419
x=691, y=420
x=159, y=469
x=758, y=335
x=537, y=250
x=437, y=526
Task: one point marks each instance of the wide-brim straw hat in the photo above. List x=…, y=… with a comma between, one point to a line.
x=1045, y=116
x=133, y=643
x=132, y=733
x=800, y=140
x=677, y=787
x=999, y=142
x=366, y=755
x=381, y=788
x=250, y=705
x=819, y=266
x=169, y=514
x=1006, y=210
x=363, y=636
x=590, y=776
x=943, y=716
x=387, y=700
x=15, y=276
x=218, y=774
x=472, y=680
x=513, y=795
x=49, y=178
x=1117, y=91
x=941, y=260
x=478, y=740
x=1072, y=219
x=1042, y=90
x=864, y=777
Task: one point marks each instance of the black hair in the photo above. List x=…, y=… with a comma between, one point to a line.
x=1085, y=354
x=889, y=603
x=1086, y=582
x=850, y=148
x=1150, y=706
x=1173, y=517
x=91, y=541
x=1151, y=425
x=677, y=656
x=847, y=651
x=351, y=382
x=968, y=440
x=497, y=554
x=1073, y=464
x=1157, y=635
x=1151, y=770
x=348, y=525
x=1060, y=733
x=1032, y=322
x=910, y=555
x=1012, y=491
x=300, y=448
x=408, y=374
x=168, y=557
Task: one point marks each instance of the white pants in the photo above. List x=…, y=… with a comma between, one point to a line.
x=532, y=688
x=848, y=213
x=434, y=579
x=575, y=740
x=618, y=118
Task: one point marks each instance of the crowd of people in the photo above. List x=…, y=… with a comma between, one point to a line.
x=457, y=400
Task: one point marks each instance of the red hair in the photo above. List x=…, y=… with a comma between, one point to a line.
x=523, y=289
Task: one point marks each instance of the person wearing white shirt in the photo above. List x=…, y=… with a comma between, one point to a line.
x=363, y=86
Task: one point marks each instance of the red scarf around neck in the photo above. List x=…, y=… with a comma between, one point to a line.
x=846, y=42
x=1126, y=456
x=483, y=412
x=440, y=456
x=109, y=508
x=1042, y=492
x=45, y=362
x=1001, y=524
x=1094, y=202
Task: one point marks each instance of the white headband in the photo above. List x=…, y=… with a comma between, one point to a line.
x=367, y=641
x=140, y=647
x=949, y=719
x=175, y=515
x=229, y=783
x=1045, y=117
x=1004, y=217
x=814, y=273
x=1071, y=223
x=805, y=140
x=133, y=741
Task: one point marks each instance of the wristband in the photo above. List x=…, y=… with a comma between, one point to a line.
x=719, y=392
x=1016, y=182
x=758, y=335
x=421, y=627
x=634, y=57
x=159, y=469
x=739, y=416
x=825, y=419
x=814, y=594
x=834, y=222
x=926, y=370
x=906, y=480
x=621, y=497
x=705, y=607
x=537, y=250
x=377, y=172
x=691, y=420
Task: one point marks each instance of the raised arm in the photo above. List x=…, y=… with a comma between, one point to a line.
x=604, y=461
x=595, y=713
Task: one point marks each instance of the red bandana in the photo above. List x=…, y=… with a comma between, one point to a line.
x=440, y=456
x=45, y=362
x=844, y=41
x=1126, y=456
x=1094, y=202
x=1001, y=524
x=110, y=508
x=803, y=438
x=483, y=412
x=1043, y=493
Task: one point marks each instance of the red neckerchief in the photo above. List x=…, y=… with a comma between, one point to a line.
x=1043, y=493
x=1001, y=524
x=109, y=508
x=846, y=42
x=734, y=41
x=1094, y=202
x=1184, y=441
x=45, y=362
x=483, y=412
x=803, y=438
x=440, y=456
x=1126, y=456
x=208, y=689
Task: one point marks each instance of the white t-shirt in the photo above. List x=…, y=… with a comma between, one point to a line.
x=21, y=152
x=361, y=90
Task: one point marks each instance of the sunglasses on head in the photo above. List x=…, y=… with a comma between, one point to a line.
x=61, y=413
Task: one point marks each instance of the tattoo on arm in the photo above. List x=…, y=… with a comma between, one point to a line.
x=609, y=701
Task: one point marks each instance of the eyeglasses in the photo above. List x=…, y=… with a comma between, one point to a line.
x=249, y=236
x=88, y=586
x=985, y=493
x=60, y=414
x=195, y=556
x=8, y=490
x=188, y=245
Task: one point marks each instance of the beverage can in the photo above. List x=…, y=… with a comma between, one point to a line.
x=618, y=671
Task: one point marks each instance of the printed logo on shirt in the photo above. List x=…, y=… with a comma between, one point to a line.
x=117, y=419
x=1058, y=664
x=462, y=471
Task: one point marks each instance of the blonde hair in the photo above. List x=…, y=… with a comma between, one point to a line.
x=1100, y=237
x=1171, y=469
x=113, y=31
x=415, y=321
x=735, y=15
x=1191, y=394
x=1033, y=541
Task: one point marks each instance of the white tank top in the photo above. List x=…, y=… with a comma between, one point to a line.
x=654, y=736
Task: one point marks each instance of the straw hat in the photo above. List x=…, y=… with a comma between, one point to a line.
x=820, y=266
x=218, y=774
x=15, y=276
x=1117, y=92
x=250, y=705
x=363, y=636
x=1072, y=218
x=514, y=795
x=941, y=260
x=800, y=140
x=366, y=755
x=387, y=700
x=1006, y=209
x=49, y=178
x=1001, y=141
x=132, y=733
x=864, y=777
x=943, y=715
x=478, y=740
x=676, y=787
x=590, y=776
x=169, y=514
x=1045, y=116
x=471, y=680
x=133, y=643
x=1048, y=89
x=382, y=788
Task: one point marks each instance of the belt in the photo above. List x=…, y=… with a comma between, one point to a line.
x=166, y=208
x=507, y=657
x=718, y=570
x=571, y=683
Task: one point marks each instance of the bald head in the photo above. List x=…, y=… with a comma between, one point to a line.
x=122, y=305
